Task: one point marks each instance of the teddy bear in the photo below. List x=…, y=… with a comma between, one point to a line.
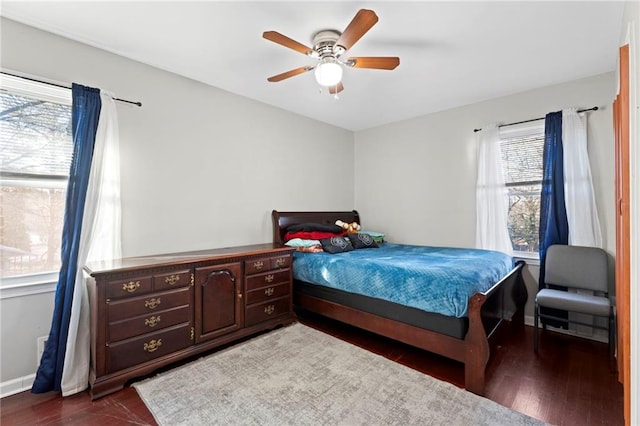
x=350, y=228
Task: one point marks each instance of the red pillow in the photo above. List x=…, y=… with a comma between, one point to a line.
x=312, y=235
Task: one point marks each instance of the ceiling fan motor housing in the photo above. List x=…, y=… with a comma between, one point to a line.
x=324, y=42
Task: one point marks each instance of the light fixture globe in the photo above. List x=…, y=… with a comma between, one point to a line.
x=328, y=72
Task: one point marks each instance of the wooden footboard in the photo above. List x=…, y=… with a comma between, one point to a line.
x=504, y=301
x=473, y=351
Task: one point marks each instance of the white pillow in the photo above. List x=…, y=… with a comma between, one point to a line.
x=299, y=242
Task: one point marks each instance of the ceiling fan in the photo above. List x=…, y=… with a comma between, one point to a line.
x=328, y=48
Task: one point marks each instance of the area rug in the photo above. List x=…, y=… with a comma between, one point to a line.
x=300, y=376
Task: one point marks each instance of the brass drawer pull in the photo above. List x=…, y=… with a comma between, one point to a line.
x=281, y=261
x=153, y=345
x=131, y=286
x=269, y=309
x=268, y=291
x=152, y=321
x=152, y=303
x=258, y=265
x=172, y=279
x=269, y=278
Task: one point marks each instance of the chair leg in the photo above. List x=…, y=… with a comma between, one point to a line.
x=535, y=328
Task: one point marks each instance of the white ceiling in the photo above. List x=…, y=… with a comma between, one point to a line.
x=451, y=53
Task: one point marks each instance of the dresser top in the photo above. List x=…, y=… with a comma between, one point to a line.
x=130, y=263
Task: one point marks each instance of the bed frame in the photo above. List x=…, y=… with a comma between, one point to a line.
x=486, y=311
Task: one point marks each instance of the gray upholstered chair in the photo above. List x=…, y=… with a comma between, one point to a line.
x=581, y=268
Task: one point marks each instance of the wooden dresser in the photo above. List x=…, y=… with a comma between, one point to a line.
x=147, y=312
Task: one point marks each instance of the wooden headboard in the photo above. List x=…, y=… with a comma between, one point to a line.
x=282, y=220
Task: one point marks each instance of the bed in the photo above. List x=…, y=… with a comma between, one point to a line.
x=461, y=333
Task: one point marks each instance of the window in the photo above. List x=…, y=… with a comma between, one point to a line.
x=522, y=148
x=35, y=154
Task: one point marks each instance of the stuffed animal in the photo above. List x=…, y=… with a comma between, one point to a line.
x=351, y=228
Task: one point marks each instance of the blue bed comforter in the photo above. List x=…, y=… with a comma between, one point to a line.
x=434, y=279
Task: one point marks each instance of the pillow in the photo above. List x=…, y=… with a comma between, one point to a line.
x=360, y=241
x=311, y=227
x=336, y=245
x=311, y=235
x=377, y=236
x=299, y=242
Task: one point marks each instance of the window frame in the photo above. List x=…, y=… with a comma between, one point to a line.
x=36, y=282
x=522, y=131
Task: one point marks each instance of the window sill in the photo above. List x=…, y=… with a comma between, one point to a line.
x=28, y=285
x=528, y=258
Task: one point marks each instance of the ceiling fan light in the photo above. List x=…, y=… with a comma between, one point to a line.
x=328, y=73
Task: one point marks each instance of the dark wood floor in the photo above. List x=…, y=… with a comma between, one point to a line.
x=567, y=383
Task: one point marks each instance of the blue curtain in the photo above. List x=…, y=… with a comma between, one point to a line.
x=554, y=228
x=84, y=119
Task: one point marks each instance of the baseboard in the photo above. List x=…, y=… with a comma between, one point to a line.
x=14, y=386
x=528, y=320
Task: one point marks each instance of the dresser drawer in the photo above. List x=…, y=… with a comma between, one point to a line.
x=267, y=310
x=270, y=292
x=266, y=263
x=129, y=287
x=151, y=303
x=269, y=278
x=148, y=323
x=171, y=280
x=257, y=265
x=127, y=353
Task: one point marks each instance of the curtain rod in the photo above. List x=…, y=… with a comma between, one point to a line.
x=63, y=86
x=595, y=108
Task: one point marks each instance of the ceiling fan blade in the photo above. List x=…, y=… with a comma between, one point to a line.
x=285, y=41
x=359, y=25
x=336, y=89
x=288, y=74
x=381, y=63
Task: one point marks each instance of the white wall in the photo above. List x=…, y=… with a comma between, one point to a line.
x=201, y=167
x=415, y=179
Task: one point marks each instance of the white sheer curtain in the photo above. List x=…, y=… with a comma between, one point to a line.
x=582, y=216
x=100, y=239
x=491, y=194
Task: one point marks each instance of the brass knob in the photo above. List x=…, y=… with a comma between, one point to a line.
x=131, y=286
x=152, y=321
x=152, y=345
x=152, y=303
x=172, y=279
